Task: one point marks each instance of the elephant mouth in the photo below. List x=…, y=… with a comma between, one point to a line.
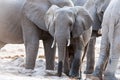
x=54, y=42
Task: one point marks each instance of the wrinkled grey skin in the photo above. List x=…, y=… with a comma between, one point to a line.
x=70, y=27
x=23, y=21
x=90, y=5
x=96, y=26
x=100, y=67
x=109, y=42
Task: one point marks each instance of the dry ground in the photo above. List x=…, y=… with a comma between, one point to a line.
x=12, y=64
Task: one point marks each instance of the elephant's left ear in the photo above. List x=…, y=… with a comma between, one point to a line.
x=49, y=19
x=83, y=21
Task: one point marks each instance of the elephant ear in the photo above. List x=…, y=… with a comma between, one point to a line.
x=49, y=19
x=83, y=21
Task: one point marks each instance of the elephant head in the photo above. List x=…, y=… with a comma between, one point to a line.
x=101, y=7
x=66, y=23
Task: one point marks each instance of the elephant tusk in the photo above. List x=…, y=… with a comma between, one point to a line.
x=68, y=42
x=53, y=44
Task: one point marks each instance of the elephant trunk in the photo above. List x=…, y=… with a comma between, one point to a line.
x=62, y=43
x=61, y=57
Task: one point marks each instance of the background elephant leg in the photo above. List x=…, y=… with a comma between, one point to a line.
x=101, y=63
x=112, y=63
x=104, y=53
x=49, y=53
x=31, y=41
x=90, y=56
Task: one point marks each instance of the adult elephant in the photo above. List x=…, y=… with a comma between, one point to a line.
x=70, y=27
x=100, y=67
x=109, y=43
x=23, y=21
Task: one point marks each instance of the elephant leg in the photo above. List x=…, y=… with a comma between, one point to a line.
x=68, y=59
x=31, y=41
x=109, y=74
x=101, y=63
x=90, y=56
x=49, y=53
x=71, y=57
x=104, y=53
x=75, y=70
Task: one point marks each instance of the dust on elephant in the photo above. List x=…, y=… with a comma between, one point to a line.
x=23, y=21
x=70, y=27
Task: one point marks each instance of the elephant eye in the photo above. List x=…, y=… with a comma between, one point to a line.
x=70, y=24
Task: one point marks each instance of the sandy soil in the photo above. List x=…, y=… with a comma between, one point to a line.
x=12, y=64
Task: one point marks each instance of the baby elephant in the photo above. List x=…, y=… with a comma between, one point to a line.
x=71, y=28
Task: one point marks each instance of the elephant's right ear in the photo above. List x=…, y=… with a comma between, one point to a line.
x=83, y=21
x=49, y=19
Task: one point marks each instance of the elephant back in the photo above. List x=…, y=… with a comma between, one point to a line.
x=10, y=10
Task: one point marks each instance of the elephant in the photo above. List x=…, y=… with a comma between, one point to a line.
x=71, y=29
x=22, y=21
x=109, y=50
x=89, y=51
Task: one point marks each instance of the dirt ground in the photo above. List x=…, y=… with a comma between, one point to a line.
x=12, y=64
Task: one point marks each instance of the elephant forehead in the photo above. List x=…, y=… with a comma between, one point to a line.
x=64, y=11
x=64, y=17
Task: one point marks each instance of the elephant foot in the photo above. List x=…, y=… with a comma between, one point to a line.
x=88, y=71
x=66, y=72
x=97, y=73
x=74, y=74
x=110, y=78
x=49, y=67
x=92, y=77
x=50, y=73
x=29, y=67
x=60, y=69
x=28, y=72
